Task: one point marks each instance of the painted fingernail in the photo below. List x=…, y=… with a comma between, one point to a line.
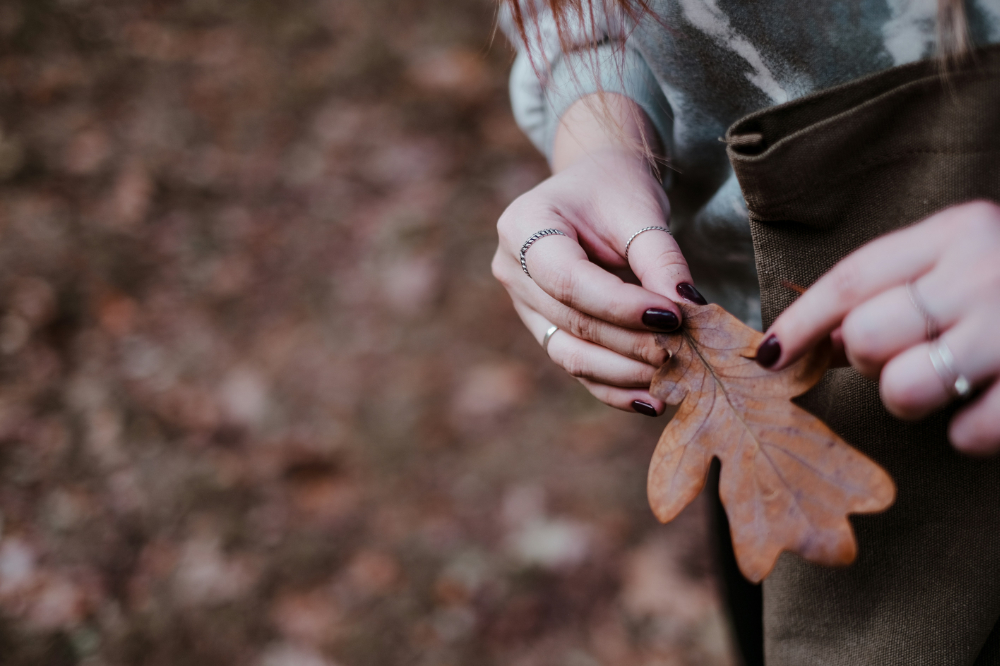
x=689, y=293
x=661, y=320
x=768, y=352
x=643, y=408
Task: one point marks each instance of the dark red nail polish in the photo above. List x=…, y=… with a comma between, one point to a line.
x=689, y=293
x=768, y=352
x=661, y=320
x=643, y=408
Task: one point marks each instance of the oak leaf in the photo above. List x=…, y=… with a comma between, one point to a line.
x=788, y=482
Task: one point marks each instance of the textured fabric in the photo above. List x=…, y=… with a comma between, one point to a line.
x=714, y=61
x=822, y=176
x=609, y=67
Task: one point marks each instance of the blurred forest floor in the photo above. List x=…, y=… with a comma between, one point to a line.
x=261, y=401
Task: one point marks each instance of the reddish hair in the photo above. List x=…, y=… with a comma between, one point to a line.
x=952, y=27
x=583, y=9
x=953, y=42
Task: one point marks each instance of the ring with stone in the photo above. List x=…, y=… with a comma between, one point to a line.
x=943, y=361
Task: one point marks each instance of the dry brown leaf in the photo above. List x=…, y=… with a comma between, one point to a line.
x=788, y=482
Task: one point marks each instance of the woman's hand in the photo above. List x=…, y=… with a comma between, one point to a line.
x=951, y=262
x=601, y=194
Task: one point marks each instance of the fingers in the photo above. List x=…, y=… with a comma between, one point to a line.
x=637, y=345
x=562, y=269
x=976, y=429
x=626, y=400
x=579, y=279
x=585, y=360
x=880, y=328
x=612, y=378
x=911, y=388
x=884, y=263
x=563, y=266
x=657, y=261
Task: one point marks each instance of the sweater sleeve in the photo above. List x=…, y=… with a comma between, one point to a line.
x=545, y=81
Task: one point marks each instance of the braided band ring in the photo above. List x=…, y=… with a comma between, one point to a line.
x=643, y=230
x=535, y=236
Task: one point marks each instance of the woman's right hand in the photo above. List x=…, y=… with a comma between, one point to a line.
x=605, y=307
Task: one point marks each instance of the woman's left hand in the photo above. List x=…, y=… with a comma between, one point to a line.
x=887, y=298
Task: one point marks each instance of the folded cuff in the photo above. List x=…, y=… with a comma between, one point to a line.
x=610, y=67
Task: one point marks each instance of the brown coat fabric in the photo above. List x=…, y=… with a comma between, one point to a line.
x=822, y=176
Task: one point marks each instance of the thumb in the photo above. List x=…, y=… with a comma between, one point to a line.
x=658, y=262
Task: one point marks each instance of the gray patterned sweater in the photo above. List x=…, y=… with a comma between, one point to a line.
x=696, y=66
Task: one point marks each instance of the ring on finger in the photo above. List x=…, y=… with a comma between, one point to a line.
x=548, y=336
x=933, y=328
x=943, y=361
x=528, y=243
x=642, y=231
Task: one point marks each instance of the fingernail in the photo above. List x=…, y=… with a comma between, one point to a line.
x=768, y=352
x=661, y=320
x=689, y=293
x=643, y=408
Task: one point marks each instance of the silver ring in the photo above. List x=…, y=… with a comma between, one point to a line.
x=535, y=236
x=944, y=365
x=548, y=336
x=933, y=329
x=641, y=231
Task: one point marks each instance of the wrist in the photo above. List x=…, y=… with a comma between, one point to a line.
x=603, y=127
x=613, y=160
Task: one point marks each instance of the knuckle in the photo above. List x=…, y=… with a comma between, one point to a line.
x=643, y=376
x=671, y=258
x=498, y=268
x=505, y=224
x=847, y=282
x=644, y=348
x=670, y=262
x=518, y=207
x=575, y=363
x=582, y=325
x=528, y=205
x=563, y=284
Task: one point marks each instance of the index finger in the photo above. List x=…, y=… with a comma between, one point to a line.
x=563, y=270
x=886, y=262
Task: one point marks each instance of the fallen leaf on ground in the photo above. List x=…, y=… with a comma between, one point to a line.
x=788, y=482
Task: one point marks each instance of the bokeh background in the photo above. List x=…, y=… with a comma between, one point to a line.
x=261, y=401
